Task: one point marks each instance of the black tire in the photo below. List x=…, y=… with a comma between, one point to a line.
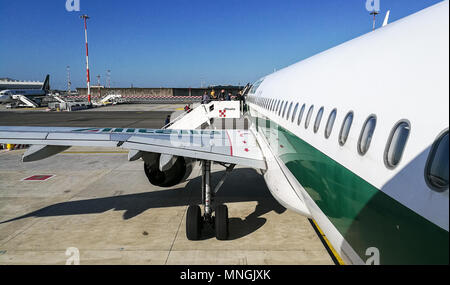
x=193, y=223
x=221, y=222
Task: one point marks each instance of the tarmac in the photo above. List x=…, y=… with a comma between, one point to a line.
x=102, y=205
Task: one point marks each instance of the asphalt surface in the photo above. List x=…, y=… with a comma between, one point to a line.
x=120, y=119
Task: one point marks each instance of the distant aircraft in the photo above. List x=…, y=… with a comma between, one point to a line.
x=356, y=137
x=9, y=96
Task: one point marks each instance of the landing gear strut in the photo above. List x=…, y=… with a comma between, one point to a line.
x=195, y=221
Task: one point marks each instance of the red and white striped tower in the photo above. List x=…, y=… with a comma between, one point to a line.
x=85, y=17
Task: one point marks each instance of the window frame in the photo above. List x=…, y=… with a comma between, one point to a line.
x=318, y=120
x=309, y=117
x=300, y=115
x=281, y=108
x=429, y=160
x=358, y=146
x=295, y=112
x=342, y=128
x=389, y=143
x=289, y=111
x=327, y=127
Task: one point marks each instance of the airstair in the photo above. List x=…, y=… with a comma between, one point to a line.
x=205, y=114
x=24, y=101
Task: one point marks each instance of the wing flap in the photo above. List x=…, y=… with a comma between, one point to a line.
x=229, y=146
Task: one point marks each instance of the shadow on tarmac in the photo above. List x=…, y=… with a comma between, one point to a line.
x=253, y=189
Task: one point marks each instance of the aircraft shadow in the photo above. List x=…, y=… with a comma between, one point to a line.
x=234, y=190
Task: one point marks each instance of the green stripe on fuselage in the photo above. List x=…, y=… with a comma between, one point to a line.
x=365, y=216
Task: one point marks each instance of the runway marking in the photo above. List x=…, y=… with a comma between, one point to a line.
x=38, y=178
x=334, y=255
x=95, y=152
x=159, y=107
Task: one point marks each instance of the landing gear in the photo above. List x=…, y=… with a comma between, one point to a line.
x=220, y=222
x=194, y=223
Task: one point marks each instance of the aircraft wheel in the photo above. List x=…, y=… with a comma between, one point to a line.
x=193, y=223
x=221, y=222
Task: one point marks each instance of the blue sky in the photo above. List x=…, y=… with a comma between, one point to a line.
x=177, y=43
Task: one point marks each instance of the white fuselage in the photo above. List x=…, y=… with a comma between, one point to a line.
x=397, y=73
x=7, y=96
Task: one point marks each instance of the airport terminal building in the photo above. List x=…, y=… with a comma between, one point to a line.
x=8, y=83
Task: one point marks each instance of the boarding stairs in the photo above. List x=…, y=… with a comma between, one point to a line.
x=24, y=101
x=205, y=114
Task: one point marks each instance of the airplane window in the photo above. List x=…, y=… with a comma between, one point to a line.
x=295, y=112
x=300, y=115
x=396, y=144
x=345, y=130
x=281, y=109
x=318, y=120
x=256, y=86
x=330, y=123
x=289, y=111
x=366, y=135
x=285, y=107
x=308, y=116
x=437, y=170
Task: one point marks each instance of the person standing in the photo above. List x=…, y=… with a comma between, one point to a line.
x=222, y=95
x=228, y=96
x=206, y=99
x=167, y=121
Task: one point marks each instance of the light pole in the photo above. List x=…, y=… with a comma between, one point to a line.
x=85, y=17
x=374, y=13
x=69, y=83
x=108, y=74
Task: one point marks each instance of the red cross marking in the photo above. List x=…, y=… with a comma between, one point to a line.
x=223, y=113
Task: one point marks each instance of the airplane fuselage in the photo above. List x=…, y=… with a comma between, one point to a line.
x=356, y=129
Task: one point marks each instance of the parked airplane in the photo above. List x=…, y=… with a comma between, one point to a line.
x=355, y=137
x=36, y=95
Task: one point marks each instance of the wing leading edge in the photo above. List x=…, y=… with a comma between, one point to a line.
x=227, y=146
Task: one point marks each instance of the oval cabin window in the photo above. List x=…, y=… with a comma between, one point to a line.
x=289, y=111
x=295, y=112
x=284, y=109
x=308, y=116
x=318, y=120
x=437, y=169
x=300, y=115
x=345, y=130
x=396, y=144
x=330, y=123
x=281, y=109
x=366, y=135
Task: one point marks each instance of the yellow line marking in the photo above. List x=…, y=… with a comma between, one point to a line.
x=336, y=255
x=159, y=107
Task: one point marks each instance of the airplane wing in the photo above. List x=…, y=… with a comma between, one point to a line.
x=237, y=147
